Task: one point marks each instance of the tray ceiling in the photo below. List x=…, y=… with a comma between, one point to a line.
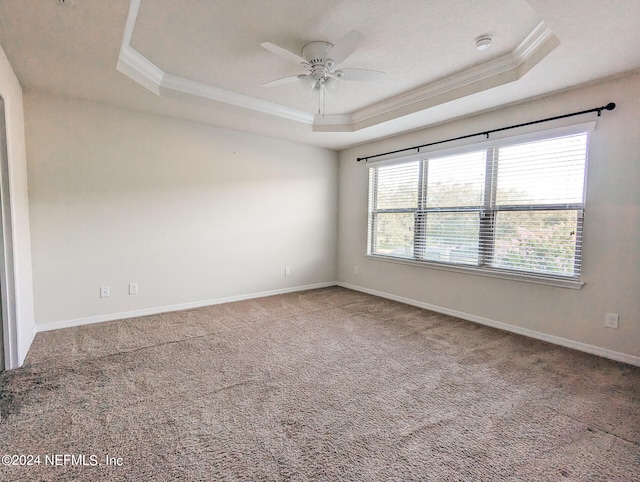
x=213, y=51
x=417, y=44
x=202, y=60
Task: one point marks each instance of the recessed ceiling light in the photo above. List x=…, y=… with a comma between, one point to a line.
x=483, y=43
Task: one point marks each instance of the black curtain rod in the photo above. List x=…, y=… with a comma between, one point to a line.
x=609, y=106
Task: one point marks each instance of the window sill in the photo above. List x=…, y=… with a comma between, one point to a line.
x=490, y=273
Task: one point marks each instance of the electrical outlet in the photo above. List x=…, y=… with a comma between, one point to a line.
x=104, y=292
x=355, y=270
x=287, y=271
x=611, y=320
x=133, y=288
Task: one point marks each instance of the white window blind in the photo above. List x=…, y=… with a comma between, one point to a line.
x=513, y=208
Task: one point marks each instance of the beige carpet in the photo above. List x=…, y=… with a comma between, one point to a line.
x=327, y=384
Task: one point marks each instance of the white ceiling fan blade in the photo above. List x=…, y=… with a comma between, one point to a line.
x=285, y=80
x=361, y=75
x=345, y=46
x=282, y=53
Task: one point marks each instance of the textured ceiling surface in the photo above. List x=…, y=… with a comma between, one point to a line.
x=74, y=50
x=414, y=41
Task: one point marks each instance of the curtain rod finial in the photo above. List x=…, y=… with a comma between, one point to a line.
x=610, y=106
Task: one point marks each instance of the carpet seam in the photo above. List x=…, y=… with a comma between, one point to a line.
x=593, y=428
x=195, y=337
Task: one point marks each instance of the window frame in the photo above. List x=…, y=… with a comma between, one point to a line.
x=488, y=211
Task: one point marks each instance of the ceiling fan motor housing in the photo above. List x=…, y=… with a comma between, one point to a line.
x=316, y=52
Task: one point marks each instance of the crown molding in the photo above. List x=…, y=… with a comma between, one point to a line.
x=334, y=123
x=533, y=42
x=507, y=68
x=503, y=70
x=143, y=71
x=132, y=63
x=138, y=68
x=207, y=91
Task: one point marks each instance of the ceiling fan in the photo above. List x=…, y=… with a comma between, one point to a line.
x=321, y=58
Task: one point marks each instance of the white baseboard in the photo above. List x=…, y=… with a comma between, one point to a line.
x=56, y=325
x=576, y=345
x=26, y=345
x=19, y=350
x=556, y=340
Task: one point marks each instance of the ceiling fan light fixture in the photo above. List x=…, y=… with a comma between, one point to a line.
x=330, y=83
x=308, y=82
x=484, y=42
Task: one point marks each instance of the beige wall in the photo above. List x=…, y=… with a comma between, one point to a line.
x=22, y=329
x=195, y=213
x=190, y=212
x=611, y=253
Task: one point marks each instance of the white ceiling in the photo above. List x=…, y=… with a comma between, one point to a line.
x=202, y=60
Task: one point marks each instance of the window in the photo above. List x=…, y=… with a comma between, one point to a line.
x=508, y=209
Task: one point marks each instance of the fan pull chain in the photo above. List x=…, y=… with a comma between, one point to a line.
x=324, y=100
